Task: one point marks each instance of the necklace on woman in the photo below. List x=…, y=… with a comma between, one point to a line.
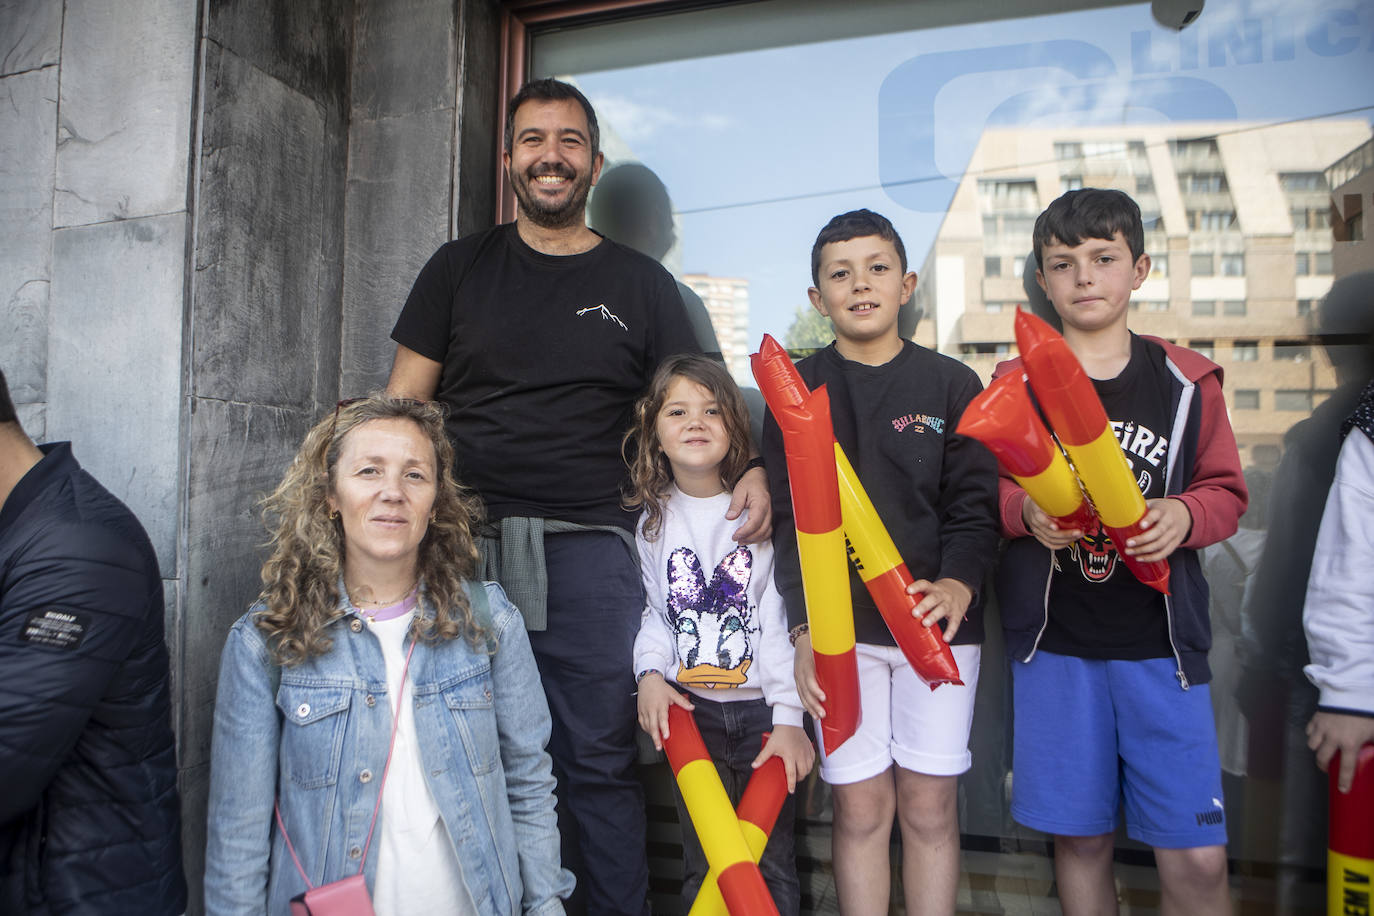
x=381, y=605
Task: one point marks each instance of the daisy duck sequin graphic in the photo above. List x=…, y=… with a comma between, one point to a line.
x=712, y=622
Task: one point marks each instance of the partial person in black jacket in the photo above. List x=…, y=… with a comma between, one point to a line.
x=89, y=816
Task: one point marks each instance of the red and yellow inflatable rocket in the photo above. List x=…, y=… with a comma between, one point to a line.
x=1067, y=396
x=804, y=418
x=1003, y=418
x=718, y=828
x=886, y=577
x=757, y=812
x=1350, y=847
x=871, y=548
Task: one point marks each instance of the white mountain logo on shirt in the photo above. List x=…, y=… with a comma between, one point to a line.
x=606, y=314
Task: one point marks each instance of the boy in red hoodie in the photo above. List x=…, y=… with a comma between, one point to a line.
x=1111, y=697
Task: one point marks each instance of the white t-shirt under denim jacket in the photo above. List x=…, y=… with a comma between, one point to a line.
x=713, y=621
x=417, y=867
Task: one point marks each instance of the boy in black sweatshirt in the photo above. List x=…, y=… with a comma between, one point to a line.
x=894, y=406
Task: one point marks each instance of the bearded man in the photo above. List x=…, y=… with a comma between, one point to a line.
x=538, y=336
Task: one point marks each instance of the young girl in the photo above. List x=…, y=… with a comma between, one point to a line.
x=713, y=622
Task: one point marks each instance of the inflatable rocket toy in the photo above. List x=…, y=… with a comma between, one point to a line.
x=1003, y=418
x=870, y=546
x=1067, y=396
x=886, y=577
x=757, y=812
x=1350, y=845
x=804, y=418
x=718, y=828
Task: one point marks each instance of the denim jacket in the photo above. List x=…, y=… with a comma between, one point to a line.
x=318, y=744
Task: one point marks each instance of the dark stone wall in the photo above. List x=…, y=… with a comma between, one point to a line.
x=93, y=238
x=263, y=313
x=421, y=75
x=204, y=242
x=30, y=48
x=400, y=162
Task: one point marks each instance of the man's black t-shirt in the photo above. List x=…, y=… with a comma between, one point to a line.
x=543, y=357
x=1098, y=609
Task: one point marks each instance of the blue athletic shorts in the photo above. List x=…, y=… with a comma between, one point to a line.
x=1093, y=736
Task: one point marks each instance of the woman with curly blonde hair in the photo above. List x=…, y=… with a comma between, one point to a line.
x=375, y=692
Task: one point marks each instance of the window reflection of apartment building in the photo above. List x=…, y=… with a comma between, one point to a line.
x=1351, y=179
x=1236, y=223
x=727, y=302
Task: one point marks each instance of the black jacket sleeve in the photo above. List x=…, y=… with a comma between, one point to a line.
x=73, y=606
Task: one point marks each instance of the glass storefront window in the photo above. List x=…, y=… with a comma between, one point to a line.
x=1285, y=399
x=1240, y=135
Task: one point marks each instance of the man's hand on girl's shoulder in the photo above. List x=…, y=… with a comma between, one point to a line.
x=752, y=493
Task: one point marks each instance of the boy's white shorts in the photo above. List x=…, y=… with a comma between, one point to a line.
x=904, y=721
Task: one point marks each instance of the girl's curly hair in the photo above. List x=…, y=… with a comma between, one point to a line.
x=300, y=579
x=651, y=476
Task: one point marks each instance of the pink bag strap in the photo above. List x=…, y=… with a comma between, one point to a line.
x=376, y=809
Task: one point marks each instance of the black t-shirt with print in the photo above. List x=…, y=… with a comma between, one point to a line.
x=1098, y=609
x=935, y=491
x=543, y=357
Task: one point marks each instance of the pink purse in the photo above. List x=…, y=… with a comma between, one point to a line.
x=347, y=896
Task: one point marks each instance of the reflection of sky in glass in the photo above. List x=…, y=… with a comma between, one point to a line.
x=759, y=149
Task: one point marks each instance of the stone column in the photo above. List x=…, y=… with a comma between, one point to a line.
x=421, y=154
x=202, y=204
x=94, y=225
x=262, y=314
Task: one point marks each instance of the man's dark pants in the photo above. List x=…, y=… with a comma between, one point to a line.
x=595, y=600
